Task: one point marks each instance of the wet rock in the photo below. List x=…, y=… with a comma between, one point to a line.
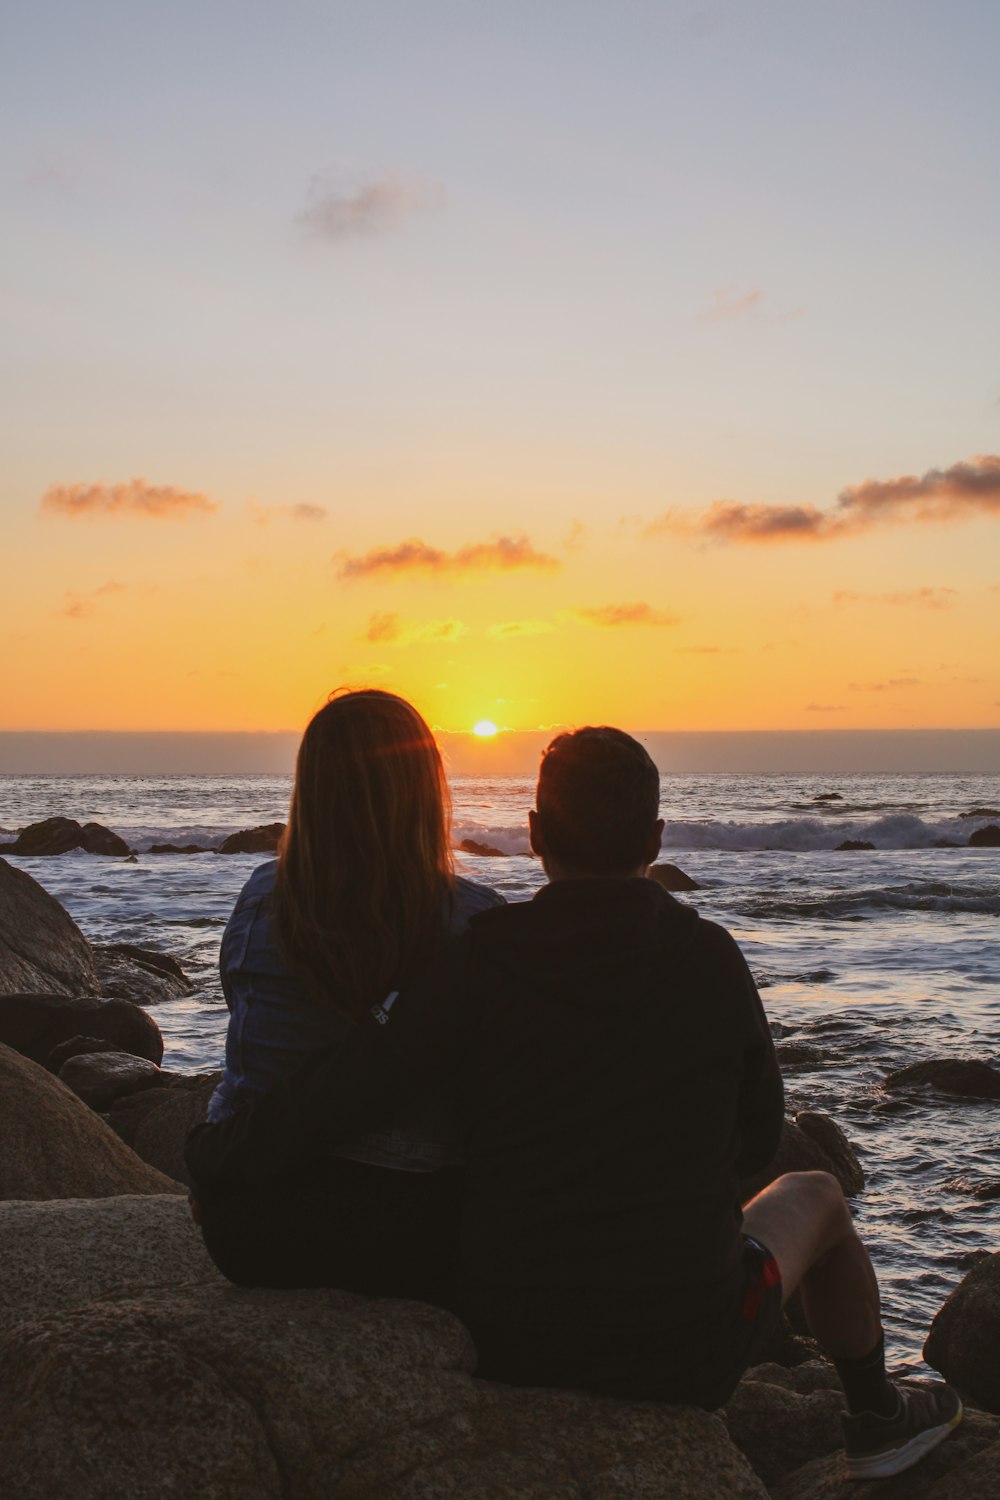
x=828, y=797
x=965, y=1336
x=982, y=812
x=98, y=1078
x=41, y=948
x=814, y=1143
x=984, y=1188
x=139, y=974
x=35, y=1024
x=179, y=849
x=157, y=1122
x=985, y=838
x=967, y=1078
x=75, y=1046
x=473, y=846
x=853, y=844
x=53, y=1146
x=672, y=878
x=58, y=1254
x=320, y=1395
x=60, y=835
x=262, y=840
x=801, y=1055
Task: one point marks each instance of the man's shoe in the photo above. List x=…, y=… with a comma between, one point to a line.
x=879, y=1446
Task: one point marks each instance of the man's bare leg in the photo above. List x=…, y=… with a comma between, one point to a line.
x=804, y=1221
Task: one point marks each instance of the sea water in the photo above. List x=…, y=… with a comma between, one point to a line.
x=867, y=960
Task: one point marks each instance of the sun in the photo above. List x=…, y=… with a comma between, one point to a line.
x=485, y=728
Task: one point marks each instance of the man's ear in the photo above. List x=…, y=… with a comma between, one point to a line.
x=535, y=834
x=653, y=847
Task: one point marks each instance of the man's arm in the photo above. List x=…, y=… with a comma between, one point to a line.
x=371, y=1074
x=762, y=1094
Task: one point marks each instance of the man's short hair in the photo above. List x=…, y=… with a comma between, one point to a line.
x=598, y=798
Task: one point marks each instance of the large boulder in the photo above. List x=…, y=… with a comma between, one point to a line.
x=966, y=1466
x=60, y=835
x=319, y=1395
x=813, y=1143
x=783, y=1418
x=261, y=840
x=41, y=948
x=964, y=1338
x=142, y=975
x=53, y=1146
x=99, y=1078
x=966, y=1077
x=36, y=1024
x=65, y=1252
x=985, y=838
x=157, y=1121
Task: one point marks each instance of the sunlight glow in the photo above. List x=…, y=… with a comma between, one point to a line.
x=484, y=728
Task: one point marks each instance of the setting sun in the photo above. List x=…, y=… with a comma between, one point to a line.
x=484, y=728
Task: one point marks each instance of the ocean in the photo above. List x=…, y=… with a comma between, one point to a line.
x=867, y=960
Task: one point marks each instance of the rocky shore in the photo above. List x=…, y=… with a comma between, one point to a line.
x=129, y=1368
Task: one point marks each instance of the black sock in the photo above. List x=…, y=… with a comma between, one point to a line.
x=866, y=1385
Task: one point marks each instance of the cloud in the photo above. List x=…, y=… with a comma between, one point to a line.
x=508, y=629
x=613, y=615
x=966, y=488
x=333, y=212
x=825, y=708
x=729, y=303
x=83, y=606
x=503, y=555
x=389, y=629
x=884, y=687
x=261, y=514
x=925, y=598
x=136, y=498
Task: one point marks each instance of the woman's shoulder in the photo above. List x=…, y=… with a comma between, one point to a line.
x=469, y=898
x=260, y=885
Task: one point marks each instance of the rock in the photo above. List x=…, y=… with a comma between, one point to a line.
x=99, y=1078
x=814, y=1143
x=60, y=835
x=53, y=1146
x=801, y=1055
x=966, y=1466
x=75, y=1046
x=96, y=839
x=982, y=812
x=781, y=1419
x=179, y=849
x=263, y=840
x=965, y=1335
x=472, y=846
x=36, y=1024
x=139, y=974
x=828, y=797
x=853, y=844
x=672, y=879
x=985, y=838
x=41, y=948
x=319, y=1395
x=62, y=1253
x=157, y=1122
x=967, y=1077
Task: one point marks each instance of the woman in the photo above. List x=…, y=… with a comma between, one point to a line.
x=361, y=901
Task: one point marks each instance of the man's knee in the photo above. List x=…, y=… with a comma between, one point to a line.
x=818, y=1195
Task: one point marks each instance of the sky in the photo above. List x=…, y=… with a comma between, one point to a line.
x=547, y=363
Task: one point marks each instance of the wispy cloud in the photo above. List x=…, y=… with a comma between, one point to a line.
x=390, y=629
x=825, y=708
x=261, y=514
x=731, y=303
x=507, y=630
x=334, y=211
x=888, y=686
x=79, y=606
x=134, y=498
x=966, y=488
x=614, y=615
x=504, y=555
x=925, y=598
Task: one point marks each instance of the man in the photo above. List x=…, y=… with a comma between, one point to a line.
x=615, y=1077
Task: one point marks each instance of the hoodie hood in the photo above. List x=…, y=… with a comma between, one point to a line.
x=583, y=938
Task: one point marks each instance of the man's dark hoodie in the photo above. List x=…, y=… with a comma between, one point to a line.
x=614, y=1077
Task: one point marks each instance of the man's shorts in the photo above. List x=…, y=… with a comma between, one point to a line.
x=760, y=1308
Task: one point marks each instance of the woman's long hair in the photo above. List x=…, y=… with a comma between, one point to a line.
x=365, y=865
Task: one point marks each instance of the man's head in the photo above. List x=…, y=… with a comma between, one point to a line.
x=597, y=802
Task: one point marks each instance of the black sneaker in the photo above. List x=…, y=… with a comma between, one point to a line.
x=879, y=1446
